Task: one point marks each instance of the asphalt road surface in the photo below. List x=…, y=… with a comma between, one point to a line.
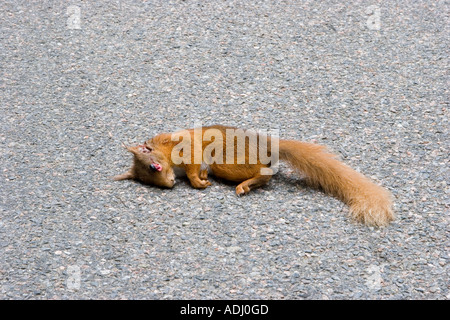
x=368, y=79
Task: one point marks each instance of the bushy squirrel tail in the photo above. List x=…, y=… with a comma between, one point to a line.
x=369, y=203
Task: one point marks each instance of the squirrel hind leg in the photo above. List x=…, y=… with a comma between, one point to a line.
x=252, y=183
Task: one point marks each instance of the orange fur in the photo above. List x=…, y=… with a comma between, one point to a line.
x=369, y=203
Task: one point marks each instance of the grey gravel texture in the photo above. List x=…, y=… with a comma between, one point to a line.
x=75, y=84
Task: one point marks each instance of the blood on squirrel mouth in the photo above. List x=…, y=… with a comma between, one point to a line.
x=156, y=166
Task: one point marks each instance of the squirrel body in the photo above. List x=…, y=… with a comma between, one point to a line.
x=210, y=150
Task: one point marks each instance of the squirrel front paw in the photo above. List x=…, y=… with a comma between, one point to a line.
x=200, y=184
x=203, y=175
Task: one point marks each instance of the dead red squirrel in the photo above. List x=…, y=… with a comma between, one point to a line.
x=155, y=161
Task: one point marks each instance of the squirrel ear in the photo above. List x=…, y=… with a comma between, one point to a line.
x=128, y=148
x=133, y=150
x=126, y=176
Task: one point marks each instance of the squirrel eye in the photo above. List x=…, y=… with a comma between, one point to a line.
x=149, y=149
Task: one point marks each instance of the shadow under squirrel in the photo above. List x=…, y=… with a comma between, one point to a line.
x=153, y=164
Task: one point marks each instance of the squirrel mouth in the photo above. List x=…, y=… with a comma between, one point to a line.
x=155, y=166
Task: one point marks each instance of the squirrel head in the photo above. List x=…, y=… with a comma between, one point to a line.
x=150, y=166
